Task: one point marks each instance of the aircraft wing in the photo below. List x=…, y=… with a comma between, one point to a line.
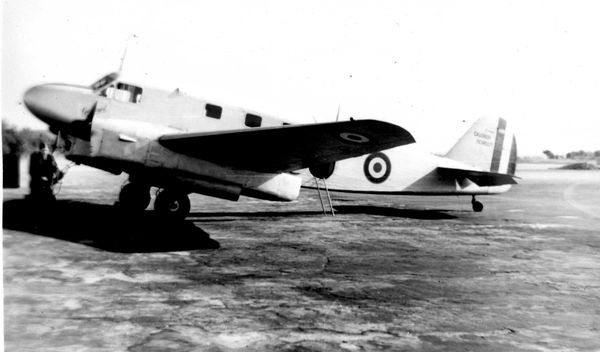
x=291, y=147
x=480, y=178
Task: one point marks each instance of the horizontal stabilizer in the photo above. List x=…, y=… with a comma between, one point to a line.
x=480, y=178
x=291, y=147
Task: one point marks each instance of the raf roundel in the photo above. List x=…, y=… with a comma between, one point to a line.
x=377, y=167
x=354, y=138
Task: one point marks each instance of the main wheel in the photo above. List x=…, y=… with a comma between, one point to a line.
x=134, y=196
x=172, y=203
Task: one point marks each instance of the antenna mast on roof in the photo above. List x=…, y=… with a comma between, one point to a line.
x=125, y=52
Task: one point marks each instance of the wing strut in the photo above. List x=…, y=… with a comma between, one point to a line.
x=326, y=192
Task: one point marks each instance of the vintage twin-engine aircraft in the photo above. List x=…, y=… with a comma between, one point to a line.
x=483, y=161
x=184, y=145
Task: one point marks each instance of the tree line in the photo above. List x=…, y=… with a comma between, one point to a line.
x=19, y=141
x=579, y=154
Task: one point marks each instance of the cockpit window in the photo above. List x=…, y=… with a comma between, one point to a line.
x=124, y=92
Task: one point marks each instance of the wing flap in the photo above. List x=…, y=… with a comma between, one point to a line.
x=480, y=178
x=291, y=147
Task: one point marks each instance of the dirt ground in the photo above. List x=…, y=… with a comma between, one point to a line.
x=386, y=273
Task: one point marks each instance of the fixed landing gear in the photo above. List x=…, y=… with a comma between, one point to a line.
x=172, y=203
x=477, y=206
x=134, y=196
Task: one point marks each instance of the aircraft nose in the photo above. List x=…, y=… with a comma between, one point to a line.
x=57, y=105
x=33, y=99
x=44, y=101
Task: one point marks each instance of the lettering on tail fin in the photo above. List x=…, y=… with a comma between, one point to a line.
x=487, y=146
x=497, y=155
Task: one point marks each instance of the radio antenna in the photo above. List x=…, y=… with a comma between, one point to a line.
x=125, y=52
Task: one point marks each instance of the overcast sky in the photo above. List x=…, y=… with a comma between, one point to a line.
x=433, y=67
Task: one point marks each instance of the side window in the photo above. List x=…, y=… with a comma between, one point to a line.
x=253, y=120
x=124, y=92
x=213, y=111
x=109, y=92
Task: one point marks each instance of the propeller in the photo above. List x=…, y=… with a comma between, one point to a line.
x=90, y=116
x=56, y=140
x=83, y=128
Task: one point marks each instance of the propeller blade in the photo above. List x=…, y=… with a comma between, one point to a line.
x=83, y=128
x=55, y=144
x=91, y=113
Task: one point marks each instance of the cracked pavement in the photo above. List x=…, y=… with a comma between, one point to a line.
x=387, y=273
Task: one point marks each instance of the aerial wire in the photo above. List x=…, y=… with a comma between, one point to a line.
x=125, y=52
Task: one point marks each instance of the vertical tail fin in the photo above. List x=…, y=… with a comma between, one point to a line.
x=488, y=145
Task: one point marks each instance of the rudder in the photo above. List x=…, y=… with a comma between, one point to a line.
x=489, y=145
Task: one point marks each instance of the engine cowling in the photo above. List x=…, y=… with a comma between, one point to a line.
x=322, y=171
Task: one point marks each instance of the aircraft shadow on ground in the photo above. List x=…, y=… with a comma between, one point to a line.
x=425, y=214
x=200, y=216
x=105, y=227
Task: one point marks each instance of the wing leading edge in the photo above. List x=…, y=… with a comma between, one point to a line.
x=288, y=148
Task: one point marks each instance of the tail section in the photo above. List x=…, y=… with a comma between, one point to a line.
x=488, y=145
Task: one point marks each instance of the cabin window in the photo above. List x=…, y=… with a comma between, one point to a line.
x=213, y=111
x=253, y=120
x=125, y=92
x=109, y=92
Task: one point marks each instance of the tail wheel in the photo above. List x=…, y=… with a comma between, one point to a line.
x=134, y=196
x=477, y=206
x=172, y=203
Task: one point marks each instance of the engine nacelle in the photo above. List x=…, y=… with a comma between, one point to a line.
x=322, y=171
x=133, y=147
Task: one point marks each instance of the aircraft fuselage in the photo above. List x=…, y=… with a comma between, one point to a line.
x=129, y=119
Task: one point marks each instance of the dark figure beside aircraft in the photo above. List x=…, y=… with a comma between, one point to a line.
x=44, y=174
